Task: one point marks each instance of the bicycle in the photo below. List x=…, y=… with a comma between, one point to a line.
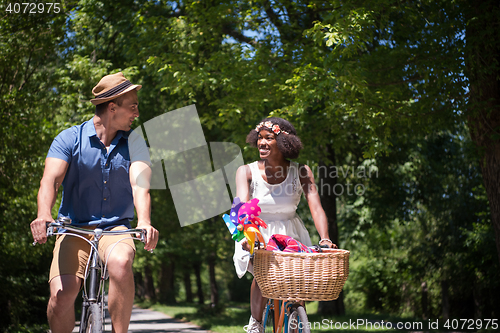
x=287, y=279
x=291, y=316
x=278, y=279
x=93, y=305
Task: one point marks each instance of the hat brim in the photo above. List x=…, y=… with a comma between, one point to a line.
x=97, y=101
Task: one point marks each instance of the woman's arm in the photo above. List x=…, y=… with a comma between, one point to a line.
x=314, y=202
x=243, y=178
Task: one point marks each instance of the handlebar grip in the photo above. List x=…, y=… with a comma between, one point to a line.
x=143, y=237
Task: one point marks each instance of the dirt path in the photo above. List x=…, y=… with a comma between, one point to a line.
x=148, y=321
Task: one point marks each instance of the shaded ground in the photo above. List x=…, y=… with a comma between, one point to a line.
x=148, y=321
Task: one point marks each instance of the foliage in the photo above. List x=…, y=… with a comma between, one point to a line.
x=29, y=48
x=381, y=85
x=441, y=202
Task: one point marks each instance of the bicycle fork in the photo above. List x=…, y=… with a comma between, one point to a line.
x=94, y=278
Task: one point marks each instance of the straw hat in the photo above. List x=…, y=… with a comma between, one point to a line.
x=112, y=86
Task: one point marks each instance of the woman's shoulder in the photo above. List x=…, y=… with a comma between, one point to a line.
x=303, y=170
x=252, y=166
x=246, y=170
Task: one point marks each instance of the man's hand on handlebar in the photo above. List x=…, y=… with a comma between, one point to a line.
x=151, y=236
x=39, y=228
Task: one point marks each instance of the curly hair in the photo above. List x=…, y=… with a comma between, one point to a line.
x=288, y=144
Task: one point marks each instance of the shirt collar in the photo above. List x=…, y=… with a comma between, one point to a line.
x=89, y=130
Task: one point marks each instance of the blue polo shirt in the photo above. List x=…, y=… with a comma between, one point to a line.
x=96, y=188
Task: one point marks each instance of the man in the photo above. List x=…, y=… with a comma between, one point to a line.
x=100, y=167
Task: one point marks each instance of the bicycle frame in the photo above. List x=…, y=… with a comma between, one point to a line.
x=282, y=311
x=95, y=285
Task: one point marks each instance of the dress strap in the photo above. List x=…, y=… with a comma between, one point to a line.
x=254, y=168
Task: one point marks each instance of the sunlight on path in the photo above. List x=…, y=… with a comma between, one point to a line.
x=149, y=321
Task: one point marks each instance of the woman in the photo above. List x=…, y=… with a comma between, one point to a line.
x=278, y=184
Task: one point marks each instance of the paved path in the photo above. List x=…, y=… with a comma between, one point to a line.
x=148, y=321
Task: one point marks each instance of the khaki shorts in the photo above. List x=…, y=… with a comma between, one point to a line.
x=71, y=253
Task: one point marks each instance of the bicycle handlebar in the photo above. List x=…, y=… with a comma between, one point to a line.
x=65, y=223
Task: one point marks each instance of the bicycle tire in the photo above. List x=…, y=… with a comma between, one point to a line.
x=297, y=321
x=269, y=320
x=92, y=323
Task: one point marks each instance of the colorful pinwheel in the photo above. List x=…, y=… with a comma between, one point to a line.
x=243, y=221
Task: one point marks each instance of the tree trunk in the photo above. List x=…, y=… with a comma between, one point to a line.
x=424, y=300
x=199, y=289
x=139, y=283
x=326, y=188
x=445, y=300
x=167, y=283
x=187, y=284
x=483, y=114
x=149, y=288
x=477, y=294
x=214, y=291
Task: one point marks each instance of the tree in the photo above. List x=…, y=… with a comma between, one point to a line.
x=482, y=68
x=380, y=85
x=400, y=66
x=29, y=48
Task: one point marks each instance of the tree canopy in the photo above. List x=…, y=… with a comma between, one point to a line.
x=395, y=100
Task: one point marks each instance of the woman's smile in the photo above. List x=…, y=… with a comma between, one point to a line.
x=264, y=151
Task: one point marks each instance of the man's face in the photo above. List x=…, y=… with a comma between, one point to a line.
x=125, y=114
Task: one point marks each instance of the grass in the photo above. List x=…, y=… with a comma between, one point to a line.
x=235, y=316
x=229, y=320
x=232, y=319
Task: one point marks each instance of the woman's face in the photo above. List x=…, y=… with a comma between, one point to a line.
x=267, y=145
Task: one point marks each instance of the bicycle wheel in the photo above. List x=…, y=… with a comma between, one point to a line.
x=268, y=319
x=92, y=323
x=297, y=321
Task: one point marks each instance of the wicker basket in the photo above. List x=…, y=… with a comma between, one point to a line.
x=301, y=276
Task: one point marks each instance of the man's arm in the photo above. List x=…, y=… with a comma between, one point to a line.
x=140, y=175
x=53, y=176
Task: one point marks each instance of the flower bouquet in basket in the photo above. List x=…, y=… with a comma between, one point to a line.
x=287, y=269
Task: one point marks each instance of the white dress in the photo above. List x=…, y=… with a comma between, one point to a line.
x=279, y=204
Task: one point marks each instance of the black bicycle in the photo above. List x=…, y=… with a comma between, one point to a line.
x=93, y=306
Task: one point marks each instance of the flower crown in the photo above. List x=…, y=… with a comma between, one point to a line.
x=274, y=127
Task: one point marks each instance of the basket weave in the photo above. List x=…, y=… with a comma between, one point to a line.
x=301, y=276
